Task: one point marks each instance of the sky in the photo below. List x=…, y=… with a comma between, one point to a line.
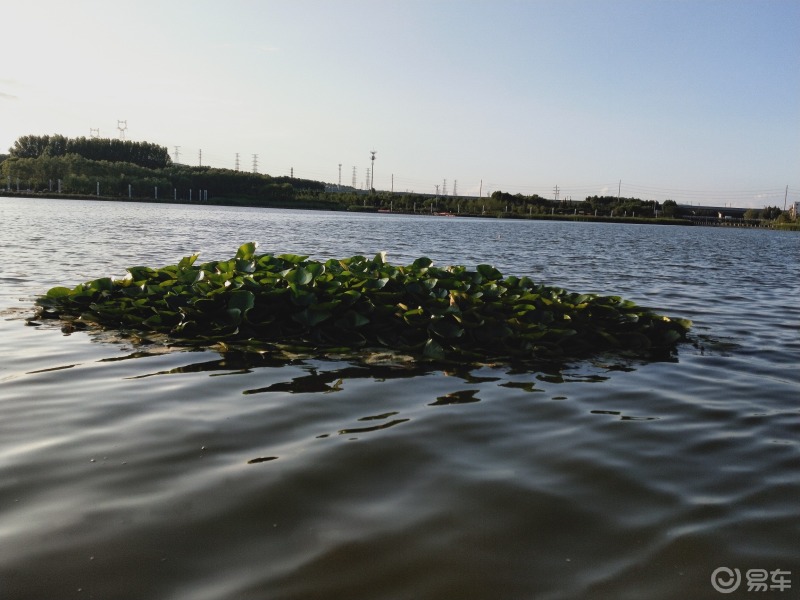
x=693, y=100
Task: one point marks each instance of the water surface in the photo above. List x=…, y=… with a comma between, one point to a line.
x=132, y=471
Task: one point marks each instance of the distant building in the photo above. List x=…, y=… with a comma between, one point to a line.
x=794, y=209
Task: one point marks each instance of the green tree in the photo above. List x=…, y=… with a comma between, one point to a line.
x=669, y=209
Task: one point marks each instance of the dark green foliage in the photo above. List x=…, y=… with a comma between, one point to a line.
x=447, y=313
x=143, y=154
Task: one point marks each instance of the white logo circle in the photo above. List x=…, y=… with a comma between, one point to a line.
x=726, y=581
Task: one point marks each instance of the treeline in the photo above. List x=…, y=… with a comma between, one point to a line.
x=502, y=204
x=123, y=169
x=117, y=168
x=143, y=154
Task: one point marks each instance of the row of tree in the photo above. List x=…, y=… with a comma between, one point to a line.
x=143, y=154
x=499, y=203
x=120, y=168
x=143, y=170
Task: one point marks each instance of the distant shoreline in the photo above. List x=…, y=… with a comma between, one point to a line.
x=321, y=205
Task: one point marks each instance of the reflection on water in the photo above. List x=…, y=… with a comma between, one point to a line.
x=134, y=470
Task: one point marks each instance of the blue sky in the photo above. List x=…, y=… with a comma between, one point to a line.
x=693, y=100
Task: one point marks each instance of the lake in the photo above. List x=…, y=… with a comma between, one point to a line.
x=133, y=472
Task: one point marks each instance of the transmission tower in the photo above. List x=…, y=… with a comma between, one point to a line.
x=255, y=163
x=237, y=161
x=340, y=175
x=94, y=133
x=455, y=187
x=177, y=153
x=122, y=126
x=367, y=183
x=444, y=187
x=555, y=190
x=354, y=178
x=199, y=158
x=372, y=180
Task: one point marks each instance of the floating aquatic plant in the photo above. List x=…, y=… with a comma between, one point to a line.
x=451, y=313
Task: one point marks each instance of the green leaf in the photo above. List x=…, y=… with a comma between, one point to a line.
x=293, y=259
x=433, y=350
x=489, y=272
x=242, y=300
x=102, y=284
x=298, y=276
x=58, y=292
x=446, y=328
x=247, y=251
x=423, y=262
x=187, y=261
x=310, y=317
x=352, y=320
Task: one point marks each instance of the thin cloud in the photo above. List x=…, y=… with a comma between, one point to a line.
x=6, y=96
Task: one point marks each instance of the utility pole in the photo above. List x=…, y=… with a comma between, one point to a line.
x=785, y=195
x=619, y=189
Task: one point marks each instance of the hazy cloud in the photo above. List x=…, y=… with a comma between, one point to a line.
x=6, y=96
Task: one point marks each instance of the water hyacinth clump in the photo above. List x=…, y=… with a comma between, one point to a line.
x=264, y=301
